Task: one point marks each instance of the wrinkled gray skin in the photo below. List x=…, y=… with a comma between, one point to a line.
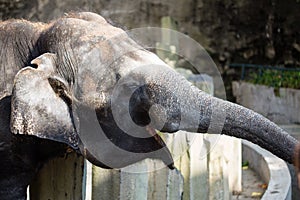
x=58, y=86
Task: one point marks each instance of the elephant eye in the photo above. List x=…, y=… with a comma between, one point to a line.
x=60, y=89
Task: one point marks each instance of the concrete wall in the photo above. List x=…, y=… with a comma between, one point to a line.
x=271, y=169
x=60, y=178
x=282, y=109
x=229, y=29
x=208, y=167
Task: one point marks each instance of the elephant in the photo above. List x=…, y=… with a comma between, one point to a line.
x=76, y=82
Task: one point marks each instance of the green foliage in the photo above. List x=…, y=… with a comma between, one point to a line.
x=245, y=163
x=276, y=78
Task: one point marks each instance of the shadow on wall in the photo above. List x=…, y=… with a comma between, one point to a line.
x=59, y=178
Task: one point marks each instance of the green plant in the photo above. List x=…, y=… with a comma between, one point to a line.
x=276, y=78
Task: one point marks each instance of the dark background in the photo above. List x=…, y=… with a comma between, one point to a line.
x=247, y=31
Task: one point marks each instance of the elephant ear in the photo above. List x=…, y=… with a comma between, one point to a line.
x=41, y=105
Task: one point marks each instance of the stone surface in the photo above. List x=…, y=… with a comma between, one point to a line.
x=104, y=184
x=271, y=169
x=283, y=109
x=60, y=178
x=143, y=180
x=252, y=186
x=231, y=30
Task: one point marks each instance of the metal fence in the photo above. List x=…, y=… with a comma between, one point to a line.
x=274, y=76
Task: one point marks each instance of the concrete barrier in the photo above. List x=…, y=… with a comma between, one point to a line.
x=281, y=108
x=271, y=169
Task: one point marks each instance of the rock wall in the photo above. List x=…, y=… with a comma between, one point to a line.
x=231, y=30
x=282, y=109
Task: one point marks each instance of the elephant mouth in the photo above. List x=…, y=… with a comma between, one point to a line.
x=106, y=145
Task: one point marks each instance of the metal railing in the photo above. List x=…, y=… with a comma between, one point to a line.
x=274, y=76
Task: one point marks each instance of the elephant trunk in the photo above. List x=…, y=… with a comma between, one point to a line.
x=246, y=124
x=185, y=107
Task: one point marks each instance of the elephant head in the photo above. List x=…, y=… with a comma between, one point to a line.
x=95, y=89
